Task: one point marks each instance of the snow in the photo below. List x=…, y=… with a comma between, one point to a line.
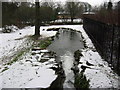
x=89, y=13
x=45, y=79
x=12, y=42
x=1, y=82
x=45, y=33
x=67, y=20
x=9, y=29
x=29, y=72
x=100, y=75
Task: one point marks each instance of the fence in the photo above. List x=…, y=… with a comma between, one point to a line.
x=106, y=39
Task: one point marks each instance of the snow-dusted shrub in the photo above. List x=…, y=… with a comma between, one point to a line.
x=9, y=29
x=81, y=82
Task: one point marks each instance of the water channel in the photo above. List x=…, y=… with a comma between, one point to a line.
x=65, y=43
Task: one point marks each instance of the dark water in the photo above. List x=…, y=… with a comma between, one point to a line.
x=66, y=40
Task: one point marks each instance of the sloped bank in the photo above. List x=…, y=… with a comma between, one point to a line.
x=98, y=71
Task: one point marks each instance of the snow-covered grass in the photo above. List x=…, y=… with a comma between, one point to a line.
x=29, y=72
x=10, y=43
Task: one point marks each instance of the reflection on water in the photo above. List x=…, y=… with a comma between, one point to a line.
x=67, y=63
x=67, y=40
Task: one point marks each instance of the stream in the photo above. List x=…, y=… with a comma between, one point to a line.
x=65, y=43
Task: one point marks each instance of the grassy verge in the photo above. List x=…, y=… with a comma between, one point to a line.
x=40, y=43
x=20, y=53
x=16, y=57
x=14, y=60
x=45, y=43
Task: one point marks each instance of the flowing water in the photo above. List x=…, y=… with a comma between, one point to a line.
x=64, y=45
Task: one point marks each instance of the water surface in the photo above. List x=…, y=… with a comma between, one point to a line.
x=64, y=45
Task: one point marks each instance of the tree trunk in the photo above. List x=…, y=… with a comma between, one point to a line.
x=71, y=19
x=72, y=12
x=72, y=16
x=37, y=21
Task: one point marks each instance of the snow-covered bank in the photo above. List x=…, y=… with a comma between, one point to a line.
x=99, y=74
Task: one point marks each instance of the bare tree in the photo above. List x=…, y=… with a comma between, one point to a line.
x=37, y=22
x=0, y=14
x=72, y=8
x=110, y=5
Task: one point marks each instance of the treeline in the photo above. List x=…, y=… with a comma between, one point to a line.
x=23, y=13
x=108, y=12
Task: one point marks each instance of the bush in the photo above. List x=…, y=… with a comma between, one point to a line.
x=81, y=81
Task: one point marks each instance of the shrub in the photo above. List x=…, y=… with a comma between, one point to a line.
x=81, y=81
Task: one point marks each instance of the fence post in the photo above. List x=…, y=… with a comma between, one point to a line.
x=111, y=56
x=118, y=60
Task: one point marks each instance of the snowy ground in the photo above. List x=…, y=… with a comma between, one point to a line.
x=67, y=20
x=29, y=72
x=10, y=43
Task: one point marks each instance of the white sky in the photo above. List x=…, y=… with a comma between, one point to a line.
x=92, y=2
x=97, y=2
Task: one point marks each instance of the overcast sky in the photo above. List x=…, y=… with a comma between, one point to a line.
x=97, y=2
x=92, y=2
